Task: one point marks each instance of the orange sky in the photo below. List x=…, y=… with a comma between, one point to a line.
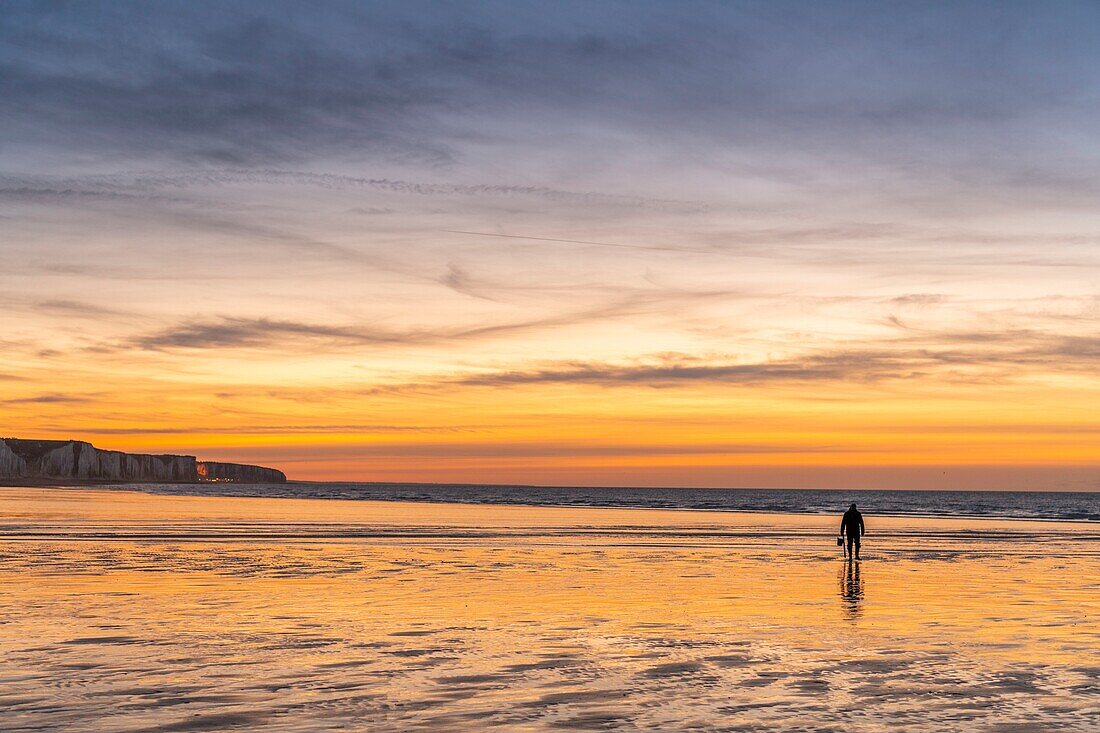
x=672, y=390
x=413, y=260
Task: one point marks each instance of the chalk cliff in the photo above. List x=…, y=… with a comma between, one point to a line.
x=77, y=459
x=10, y=463
x=239, y=473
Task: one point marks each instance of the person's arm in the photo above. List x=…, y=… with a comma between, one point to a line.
x=842, y=526
x=862, y=529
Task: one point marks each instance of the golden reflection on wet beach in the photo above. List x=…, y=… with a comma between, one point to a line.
x=129, y=612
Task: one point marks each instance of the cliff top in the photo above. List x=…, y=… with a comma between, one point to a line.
x=31, y=450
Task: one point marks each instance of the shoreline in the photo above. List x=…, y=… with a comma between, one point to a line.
x=145, y=489
x=60, y=483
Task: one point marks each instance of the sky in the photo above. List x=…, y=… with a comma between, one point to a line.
x=790, y=244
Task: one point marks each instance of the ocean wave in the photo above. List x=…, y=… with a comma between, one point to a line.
x=1061, y=506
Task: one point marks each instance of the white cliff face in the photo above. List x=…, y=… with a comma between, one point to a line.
x=80, y=460
x=72, y=460
x=11, y=464
x=76, y=459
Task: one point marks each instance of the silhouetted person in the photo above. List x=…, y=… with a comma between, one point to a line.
x=851, y=526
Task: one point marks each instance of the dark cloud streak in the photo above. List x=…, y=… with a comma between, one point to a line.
x=357, y=428
x=271, y=333
x=1005, y=357
x=143, y=185
x=46, y=399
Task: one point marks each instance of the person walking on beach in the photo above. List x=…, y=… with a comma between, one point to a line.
x=851, y=524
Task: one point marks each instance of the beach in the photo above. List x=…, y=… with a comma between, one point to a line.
x=124, y=611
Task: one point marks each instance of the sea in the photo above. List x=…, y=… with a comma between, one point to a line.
x=1055, y=506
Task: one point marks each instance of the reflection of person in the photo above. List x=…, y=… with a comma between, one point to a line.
x=851, y=526
x=851, y=589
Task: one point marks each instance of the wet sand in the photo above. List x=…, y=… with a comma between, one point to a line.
x=122, y=611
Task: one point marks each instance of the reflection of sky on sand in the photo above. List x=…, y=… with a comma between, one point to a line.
x=205, y=615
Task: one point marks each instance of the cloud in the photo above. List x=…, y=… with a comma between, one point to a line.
x=541, y=449
x=320, y=429
x=242, y=89
x=237, y=332
x=76, y=308
x=259, y=332
x=141, y=186
x=371, y=211
x=460, y=281
x=655, y=248
x=918, y=299
x=682, y=369
x=991, y=357
x=122, y=272
x=267, y=84
x=40, y=194
x=244, y=333
x=189, y=214
x=919, y=86
x=46, y=399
